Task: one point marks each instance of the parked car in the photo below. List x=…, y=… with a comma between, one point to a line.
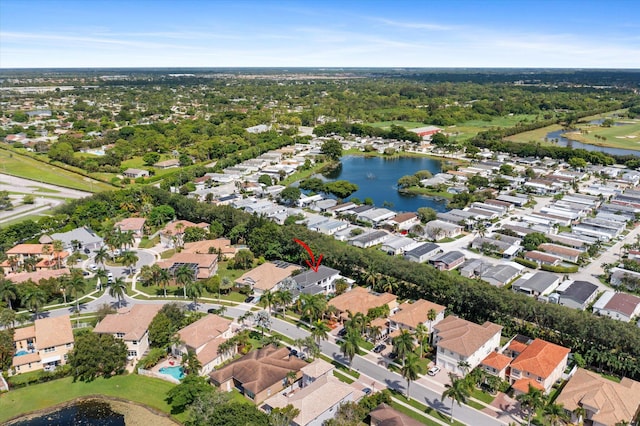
x=379, y=348
x=433, y=370
x=248, y=299
x=366, y=391
x=392, y=355
x=293, y=352
x=87, y=251
x=302, y=355
x=342, y=332
x=93, y=267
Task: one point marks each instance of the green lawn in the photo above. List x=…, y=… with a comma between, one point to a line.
x=23, y=166
x=468, y=129
x=537, y=135
x=147, y=243
x=144, y=390
x=430, y=411
x=405, y=124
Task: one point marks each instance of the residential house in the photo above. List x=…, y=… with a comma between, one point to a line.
x=359, y=299
x=604, y=401
x=36, y=276
x=578, y=295
x=220, y=246
x=204, y=337
x=503, y=245
x=496, y=364
x=167, y=164
x=375, y=216
x=538, y=284
x=409, y=315
x=135, y=173
x=204, y=266
x=318, y=399
x=623, y=276
x=43, y=345
x=268, y=276
x=173, y=233
x=447, y=261
x=540, y=365
x=620, y=306
x=259, y=374
x=500, y=275
x=542, y=258
x=43, y=253
x=404, y=221
x=79, y=239
x=438, y=229
x=566, y=253
x=459, y=340
x=133, y=224
x=130, y=324
x=385, y=415
x=321, y=282
x=422, y=253
x=398, y=245
x=369, y=239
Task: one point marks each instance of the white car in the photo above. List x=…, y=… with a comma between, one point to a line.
x=93, y=267
x=433, y=370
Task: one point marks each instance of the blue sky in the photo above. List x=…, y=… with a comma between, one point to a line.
x=266, y=33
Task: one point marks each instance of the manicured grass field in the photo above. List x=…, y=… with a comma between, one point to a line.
x=406, y=124
x=144, y=390
x=28, y=168
x=469, y=129
x=627, y=136
x=537, y=135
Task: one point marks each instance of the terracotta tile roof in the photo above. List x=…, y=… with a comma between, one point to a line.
x=204, y=246
x=522, y=385
x=412, y=314
x=170, y=229
x=27, y=249
x=210, y=351
x=517, y=346
x=384, y=415
x=462, y=336
x=496, y=360
x=615, y=402
x=24, y=333
x=53, y=331
x=554, y=248
x=266, y=276
x=259, y=369
x=204, y=330
x=542, y=257
x=131, y=224
x=133, y=322
x=26, y=359
x=403, y=217
x=359, y=299
x=37, y=275
x=317, y=368
x=540, y=358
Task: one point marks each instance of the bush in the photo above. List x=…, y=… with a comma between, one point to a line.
x=560, y=269
x=153, y=357
x=528, y=263
x=20, y=381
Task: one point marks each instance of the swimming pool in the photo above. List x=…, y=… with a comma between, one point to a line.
x=22, y=352
x=175, y=372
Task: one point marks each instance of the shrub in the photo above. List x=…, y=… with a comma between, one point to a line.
x=559, y=269
x=528, y=263
x=153, y=357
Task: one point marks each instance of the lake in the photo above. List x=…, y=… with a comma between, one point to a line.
x=562, y=141
x=377, y=178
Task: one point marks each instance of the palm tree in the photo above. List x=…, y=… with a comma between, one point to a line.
x=580, y=412
x=127, y=239
x=190, y=362
x=533, y=400
x=8, y=318
x=163, y=278
x=349, y=345
x=402, y=344
x=8, y=291
x=101, y=275
x=421, y=334
x=194, y=290
x=184, y=275
x=263, y=320
x=458, y=390
x=556, y=414
x=291, y=379
x=464, y=366
x=284, y=299
x=374, y=333
x=58, y=248
x=101, y=255
x=244, y=317
x=76, y=284
x=388, y=284
x=410, y=369
x=34, y=298
x=129, y=259
x=179, y=236
x=118, y=289
x=267, y=299
x=431, y=316
x=320, y=331
x=30, y=263
x=371, y=277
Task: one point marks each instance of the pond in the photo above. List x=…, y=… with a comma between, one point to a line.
x=562, y=141
x=377, y=178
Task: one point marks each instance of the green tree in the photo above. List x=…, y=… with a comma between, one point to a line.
x=161, y=329
x=410, y=369
x=407, y=181
x=194, y=291
x=190, y=363
x=556, y=414
x=349, y=344
x=237, y=414
x=458, y=390
x=243, y=259
x=6, y=349
x=577, y=163
x=332, y=149
x=532, y=401
x=426, y=214
x=184, y=276
x=8, y=291
x=403, y=344
x=422, y=336
x=341, y=188
x=320, y=331
x=283, y=416
x=290, y=194
x=533, y=240
x=33, y=298
x=265, y=180
x=97, y=355
x=101, y=255
x=129, y=260
x=150, y=158
x=202, y=406
x=190, y=388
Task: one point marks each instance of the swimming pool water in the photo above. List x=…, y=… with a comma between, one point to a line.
x=175, y=372
x=22, y=352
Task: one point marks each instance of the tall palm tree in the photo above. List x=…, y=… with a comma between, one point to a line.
x=118, y=289
x=244, y=317
x=263, y=320
x=431, y=316
x=194, y=290
x=190, y=362
x=458, y=390
x=129, y=259
x=371, y=277
x=556, y=414
x=101, y=255
x=8, y=318
x=291, y=379
x=284, y=299
x=421, y=334
x=402, y=344
x=410, y=369
x=267, y=299
x=163, y=278
x=580, y=412
x=349, y=345
x=101, y=275
x=127, y=239
x=184, y=276
x=8, y=291
x=532, y=401
x=464, y=366
x=320, y=331
x=76, y=284
x=58, y=248
x=34, y=298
